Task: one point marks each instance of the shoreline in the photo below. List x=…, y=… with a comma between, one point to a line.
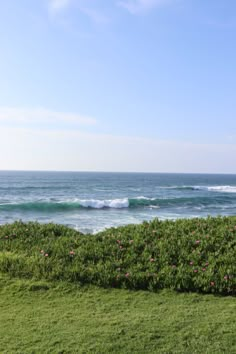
x=107, y=228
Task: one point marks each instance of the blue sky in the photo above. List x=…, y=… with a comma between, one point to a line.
x=118, y=85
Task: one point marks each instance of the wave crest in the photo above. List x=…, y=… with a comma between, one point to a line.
x=52, y=206
x=225, y=189
x=100, y=204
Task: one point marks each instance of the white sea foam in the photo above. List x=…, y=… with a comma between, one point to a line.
x=144, y=198
x=222, y=189
x=227, y=189
x=109, y=203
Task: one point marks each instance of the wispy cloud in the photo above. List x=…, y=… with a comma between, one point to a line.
x=58, y=5
x=35, y=149
x=91, y=9
x=88, y=8
x=140, y=6
x=41, y=115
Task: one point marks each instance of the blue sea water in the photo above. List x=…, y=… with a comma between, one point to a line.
x=93, y=201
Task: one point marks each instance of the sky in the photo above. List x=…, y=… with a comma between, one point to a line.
x=118, y=85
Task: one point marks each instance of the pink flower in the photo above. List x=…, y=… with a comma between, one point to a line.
x=72, y=253
x=46, y=255
x=203, y=269
x=226, y=277
x=206, y=264
x=197, y=242
x=152, y=259
x=121, y=247
x=195, y=270
x=191, y=263
x=127, y=275
x=118, y=241
x=212, y=283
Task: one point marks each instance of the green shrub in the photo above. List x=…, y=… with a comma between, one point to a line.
x=186, y=255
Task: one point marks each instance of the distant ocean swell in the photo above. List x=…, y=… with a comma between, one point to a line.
x=52, y=206
x=222, y=189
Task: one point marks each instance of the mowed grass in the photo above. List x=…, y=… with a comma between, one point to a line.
x=60, y=317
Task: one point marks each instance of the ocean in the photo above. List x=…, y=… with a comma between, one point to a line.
x=94, y=201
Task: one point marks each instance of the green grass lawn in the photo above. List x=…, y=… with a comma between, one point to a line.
x=59, y=317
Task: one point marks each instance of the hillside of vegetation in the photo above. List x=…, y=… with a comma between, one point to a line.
x=196, y=255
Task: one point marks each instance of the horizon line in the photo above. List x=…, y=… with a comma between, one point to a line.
x=103, y=171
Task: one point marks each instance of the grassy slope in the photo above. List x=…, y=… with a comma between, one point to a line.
x=43, y=317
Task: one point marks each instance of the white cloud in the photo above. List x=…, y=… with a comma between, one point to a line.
x=57, y=5
x=91, y=9
x=32, y=149
x=139, y=6
x=86, y=7
x=41, y=115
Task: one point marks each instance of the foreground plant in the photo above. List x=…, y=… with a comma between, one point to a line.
x=186, y=255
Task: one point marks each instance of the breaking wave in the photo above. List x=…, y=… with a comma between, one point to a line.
x=138, y=202
x=223, y=189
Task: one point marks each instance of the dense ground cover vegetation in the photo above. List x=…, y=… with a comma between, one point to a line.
x=185, y=255
x=61, y=317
